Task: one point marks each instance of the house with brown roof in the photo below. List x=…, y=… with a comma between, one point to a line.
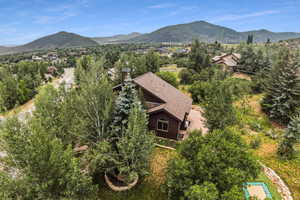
x=229, y=60
x=168, y=108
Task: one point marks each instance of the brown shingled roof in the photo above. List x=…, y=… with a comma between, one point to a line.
x=176, y=103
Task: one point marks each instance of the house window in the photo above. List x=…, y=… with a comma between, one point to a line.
x=162, y=125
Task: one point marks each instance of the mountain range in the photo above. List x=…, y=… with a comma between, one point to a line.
x=208, y=32
x=116, y=38
x=181, y=33
x=58, y=40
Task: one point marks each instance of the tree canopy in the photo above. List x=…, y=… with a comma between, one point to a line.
x=206, y=168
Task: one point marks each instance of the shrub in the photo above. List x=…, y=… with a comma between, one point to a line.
x=255, y=143
x=185, y=76
x=169, y=77
x=271, y=134
x=200, y=91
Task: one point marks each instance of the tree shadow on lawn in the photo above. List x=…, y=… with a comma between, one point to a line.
x=143, y=190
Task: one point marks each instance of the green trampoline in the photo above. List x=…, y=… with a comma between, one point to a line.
x=256, y=189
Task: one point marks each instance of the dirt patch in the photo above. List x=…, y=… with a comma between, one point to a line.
x=267, y=149
x=241, y=76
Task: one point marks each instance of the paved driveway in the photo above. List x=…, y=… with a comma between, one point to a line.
x=197, y=121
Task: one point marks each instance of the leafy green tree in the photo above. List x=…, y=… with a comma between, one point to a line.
x=83, y=64
x=200, y=91
x=218, y=110
x=19, y=82
x=57, y=111
x=206, y=191
x=95, y=100
x=199, y=58
x=185, y=76
x=152, y=62
x=43, y=166
x=290, y=138
x=169, y=77
x=235, y=193
x=208, y=160
x=111, y=57
x=282, y=89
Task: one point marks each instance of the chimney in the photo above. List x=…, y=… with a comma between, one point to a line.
x=125, y=74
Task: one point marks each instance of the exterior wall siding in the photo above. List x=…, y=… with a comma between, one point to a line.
x=173, y=125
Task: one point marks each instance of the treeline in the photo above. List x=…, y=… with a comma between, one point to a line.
x=19, y=82
x=43, y=150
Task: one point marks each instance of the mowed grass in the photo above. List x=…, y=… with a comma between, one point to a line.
x=149, y=188
x=255, y=124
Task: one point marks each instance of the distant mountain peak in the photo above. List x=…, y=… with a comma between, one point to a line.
x=208, y=32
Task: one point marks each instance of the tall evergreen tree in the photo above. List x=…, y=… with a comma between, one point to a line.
x=122, y=108
x=135, y=145
x=199, y=58
x=282, y=89
x=290, y=138
x=250, y=39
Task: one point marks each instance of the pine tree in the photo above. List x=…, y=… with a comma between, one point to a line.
x=249, y=62
x=282, y=89
x=250, y=39
x=122, y=107
x=198, y=57
x=290, y=138
x=135, y=145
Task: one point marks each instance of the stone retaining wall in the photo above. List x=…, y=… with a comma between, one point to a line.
x=276, y=180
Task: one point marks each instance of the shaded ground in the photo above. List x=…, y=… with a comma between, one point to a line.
x=149, y=188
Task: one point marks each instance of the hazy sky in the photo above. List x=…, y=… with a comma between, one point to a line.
x=25, y=20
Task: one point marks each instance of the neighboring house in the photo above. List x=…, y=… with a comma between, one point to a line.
x=36, y=58
x=168, y=108
x=228, y=60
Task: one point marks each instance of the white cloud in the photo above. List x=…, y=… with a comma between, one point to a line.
x=181, y=10
x=233, y=17
x=164, y=5
x=54, y=19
